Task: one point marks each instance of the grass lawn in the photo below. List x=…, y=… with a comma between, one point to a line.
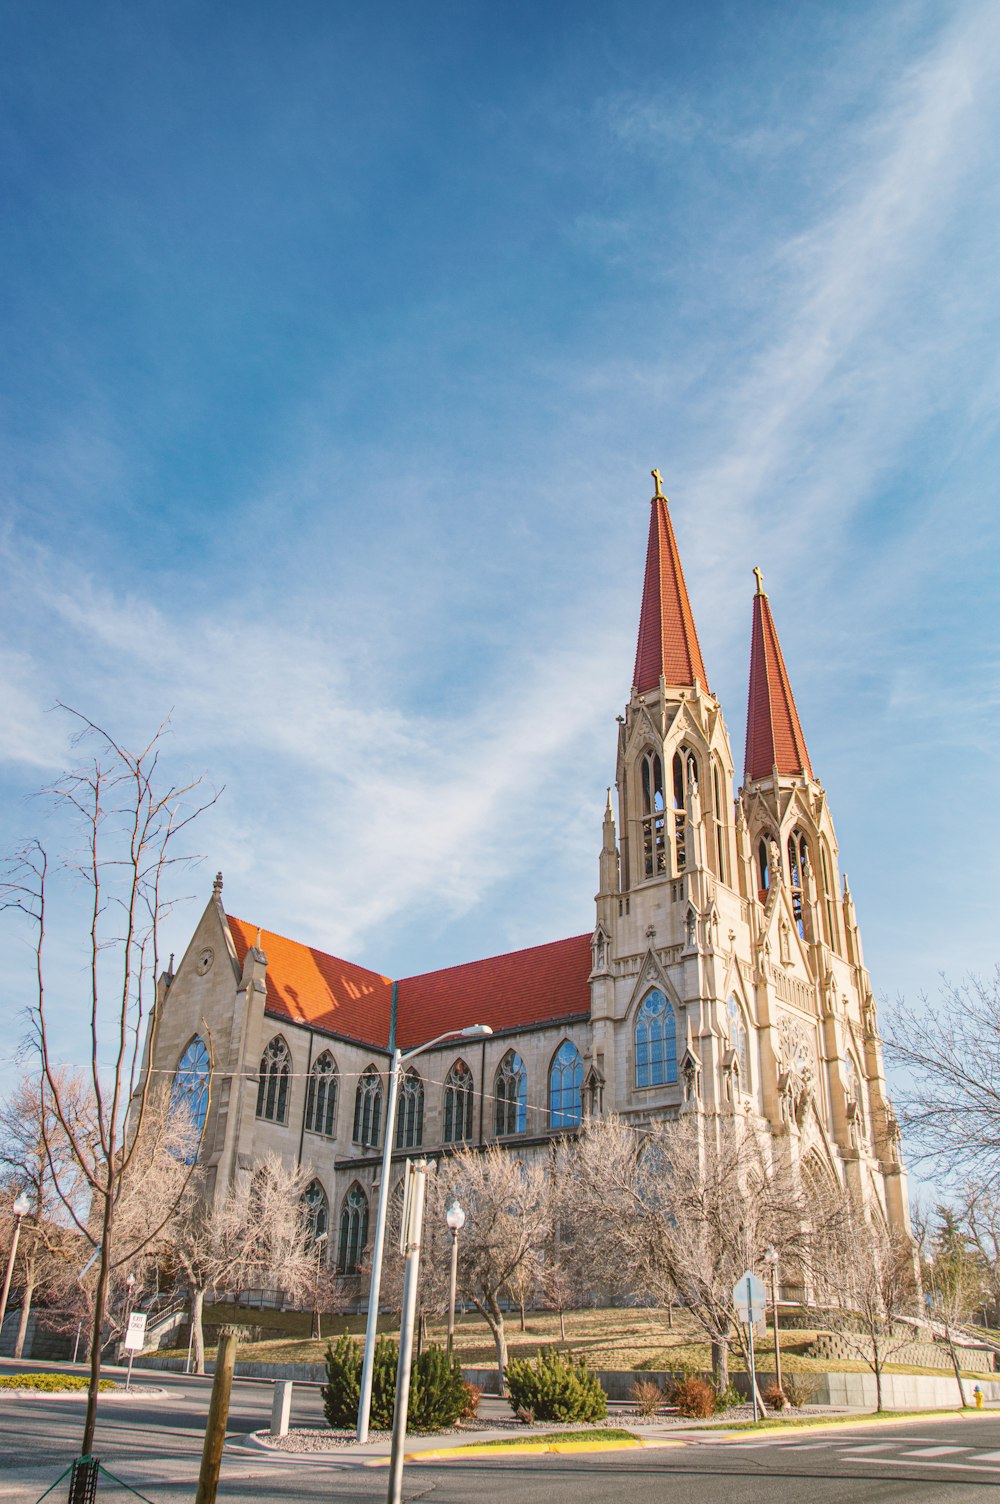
x=609, y=1338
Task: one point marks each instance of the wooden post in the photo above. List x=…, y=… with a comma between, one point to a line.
x=218, y=1417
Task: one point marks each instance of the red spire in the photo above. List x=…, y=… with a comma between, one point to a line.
x=774, y=731
x=668, y=642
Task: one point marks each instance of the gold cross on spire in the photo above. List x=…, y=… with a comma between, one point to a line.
x=760, y=581
x=659, y=483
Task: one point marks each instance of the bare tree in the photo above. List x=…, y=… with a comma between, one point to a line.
x=508, y=1220
x=256, y=1235
x=118, y=831
x=29, y=1136
x=953, y=1280
x=951, y=1102
x=868, y=1276
x=981, y=1221
x=683, y=1209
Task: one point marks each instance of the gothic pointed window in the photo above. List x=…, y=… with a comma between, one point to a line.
x=189, y=1093
x=321, y=1096
x=353, y=1230
x=272, y=1081
x=829, y=900
x=719, y=816
x=763, y=867
x=410, y=1112
x=654, y=836
x=510, y=1096
x=738, y=1038
x=685, y=781
x=316, y=1210
x=655, y=1041
x=798, y=868
x=566, y=1087
x=458, y=1095
x=368, y=1109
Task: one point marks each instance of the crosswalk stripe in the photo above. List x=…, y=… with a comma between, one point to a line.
x=934, y=1451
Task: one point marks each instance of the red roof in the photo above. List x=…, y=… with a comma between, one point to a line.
x=310, y=987
x=539, y=985
x=668, y=642
x=544, y=984
x=774, y=731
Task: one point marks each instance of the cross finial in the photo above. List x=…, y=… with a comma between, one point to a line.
x=760, y=581
x=217, y=885
x=658, y=478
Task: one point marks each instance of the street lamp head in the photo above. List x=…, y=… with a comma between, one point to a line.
x=22, y=1205
x=772, y=1256
x=475, y=1031
x=455, y=1217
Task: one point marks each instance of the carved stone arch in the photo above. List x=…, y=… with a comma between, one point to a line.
x=652, y=974
x=686, y=727
x=643, y=733
x=600, y=951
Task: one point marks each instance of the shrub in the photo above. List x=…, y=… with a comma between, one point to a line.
x=555, y=1386
x=526, y=1417
x=774, y=1397
x=647, y=1396
x=473, y=1394
x=437, y=1393
x=801, y=1387
x=694, y=1398
x=342, y=1390
x=726, y=1399
x=52, y=1382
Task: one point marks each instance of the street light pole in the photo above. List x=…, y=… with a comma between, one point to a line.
x=772, y=1257
x=21, y=1207
x=399, y=1060
x=455, y=1218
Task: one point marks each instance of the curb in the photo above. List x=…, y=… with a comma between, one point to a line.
x=527, y=1449
x=867, y=1420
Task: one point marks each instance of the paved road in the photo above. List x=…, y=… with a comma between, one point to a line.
x=154, y=1445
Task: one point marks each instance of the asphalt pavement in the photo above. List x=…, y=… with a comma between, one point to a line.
x=153, y=1443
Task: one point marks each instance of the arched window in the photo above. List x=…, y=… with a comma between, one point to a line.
x=829, y=900
x=763, y=867
x=353, y=1230
x=458, y=1095
x=189, y=1093
x=566, y=1087
x=719, y=814
x=368, y=1108
x=410, y=1112
x=316, y=1210
x=272, y=1081
x=798, y=867
x=654, y=836
x=738, y=1038
x=685, y=768
x=510, y=1095
x=321, y=1096
x=655, y=1041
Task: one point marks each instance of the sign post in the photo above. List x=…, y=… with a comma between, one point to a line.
x=750, y=1299
x=135, y=1339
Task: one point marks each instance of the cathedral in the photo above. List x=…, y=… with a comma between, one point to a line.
x=723, y=973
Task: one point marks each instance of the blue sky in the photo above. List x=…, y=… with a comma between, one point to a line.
x=338, y=343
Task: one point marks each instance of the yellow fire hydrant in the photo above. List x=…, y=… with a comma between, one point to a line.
x=978, y=1395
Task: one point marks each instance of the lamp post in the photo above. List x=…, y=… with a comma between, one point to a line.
x=399, y=1060
x=772, y=1258
x=455, y=1218
x=319, y=1249
x=21, y=1207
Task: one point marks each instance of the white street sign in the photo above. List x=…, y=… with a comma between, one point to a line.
x=750, y=1298
x=135, y=1334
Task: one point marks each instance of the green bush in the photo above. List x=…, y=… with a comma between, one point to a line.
x=437, y=1394
x=52, y=1382
x=437, y=1391
x=555, y=1386
x=342, y=1390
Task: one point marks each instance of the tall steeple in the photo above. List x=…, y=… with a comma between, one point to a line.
x=668, y=642
x=774, y=731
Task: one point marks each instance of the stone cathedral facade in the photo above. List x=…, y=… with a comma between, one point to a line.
x=723, y=973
